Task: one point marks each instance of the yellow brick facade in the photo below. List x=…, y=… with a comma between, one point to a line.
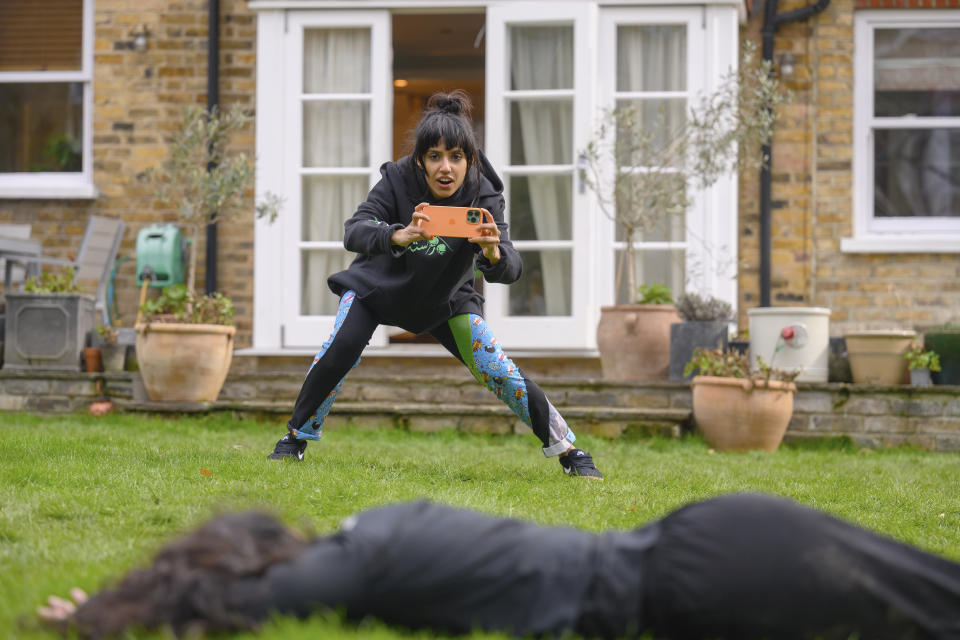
x=812, y=195
x=138, y=101
x=139, y=97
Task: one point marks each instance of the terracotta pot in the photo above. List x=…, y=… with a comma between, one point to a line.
x=634, y=341
x=92, y=359
x=739, y=415
x=184, y=362
x=876, y=357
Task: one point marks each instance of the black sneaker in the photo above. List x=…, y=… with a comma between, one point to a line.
x=288, y=448
x=578, y=462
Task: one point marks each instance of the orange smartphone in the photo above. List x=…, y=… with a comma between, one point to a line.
x=455, y=222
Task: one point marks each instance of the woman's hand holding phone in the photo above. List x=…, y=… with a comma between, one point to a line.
x=489, y=238
x=413, y=231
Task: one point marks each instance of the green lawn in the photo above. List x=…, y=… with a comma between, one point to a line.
x=82, y=499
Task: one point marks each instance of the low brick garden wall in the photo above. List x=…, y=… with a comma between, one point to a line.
x=870, y=416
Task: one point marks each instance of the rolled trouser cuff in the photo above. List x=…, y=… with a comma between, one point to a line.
x=559, y=447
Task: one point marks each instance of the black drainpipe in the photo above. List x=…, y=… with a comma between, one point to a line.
x=213, y=100
x=771, y=21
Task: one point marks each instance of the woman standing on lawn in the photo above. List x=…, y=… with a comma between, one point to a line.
x=404, y=276
x=739, y=567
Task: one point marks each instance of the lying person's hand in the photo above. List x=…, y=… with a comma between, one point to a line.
x=59, y=609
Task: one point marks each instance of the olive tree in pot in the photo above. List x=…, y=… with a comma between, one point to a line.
x=634, y=339
x=646, y=169
x=185, y=343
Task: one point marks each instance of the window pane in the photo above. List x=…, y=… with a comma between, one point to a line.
x=541, y=58
x=646, y=127
x=541, y=132
x=317, y=265
x=327, y=202
x=652, y=57
x=336, y=134
x=41, y=127
x=541, y=207
x=917, y=172
x=544, y=289
x=41, y=35
x=916, y=72
x=653, y=266
x=336, y=61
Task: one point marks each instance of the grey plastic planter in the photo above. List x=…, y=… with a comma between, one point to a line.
x=47, y=330
x=687, y=336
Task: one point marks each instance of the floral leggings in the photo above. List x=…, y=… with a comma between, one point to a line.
x=466, y=336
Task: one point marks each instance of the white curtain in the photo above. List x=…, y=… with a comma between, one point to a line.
x=542, y=58
x=654, y=58
x=335, y=134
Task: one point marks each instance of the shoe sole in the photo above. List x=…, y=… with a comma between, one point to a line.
x=298, y=458
x=577, y=475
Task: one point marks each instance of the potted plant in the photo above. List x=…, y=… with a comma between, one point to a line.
x=706, y=324
x=736, y=407
x=113, y=354
x=646, y=171
x=634, y=339
x=945, y=340
x=187, y=360
x=47, y=323
x=920, y=362
x=877, y=355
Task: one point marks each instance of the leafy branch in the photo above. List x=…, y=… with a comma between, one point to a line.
x=645, y=169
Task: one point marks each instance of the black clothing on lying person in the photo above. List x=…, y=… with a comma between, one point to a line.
x=737, y=567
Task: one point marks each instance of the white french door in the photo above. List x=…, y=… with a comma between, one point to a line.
x=539, y=100
x=661, y=61
x=337, y=129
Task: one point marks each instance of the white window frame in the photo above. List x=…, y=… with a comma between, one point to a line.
x=278, y=323
x=891, y=235
x=576, y=331
x=55, y=185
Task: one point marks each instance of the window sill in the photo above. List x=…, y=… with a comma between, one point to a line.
x=901, y=243
x=46, y=187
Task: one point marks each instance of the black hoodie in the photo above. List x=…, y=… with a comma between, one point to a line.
x=424, y=284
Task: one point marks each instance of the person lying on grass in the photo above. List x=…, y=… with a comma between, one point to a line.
x=738, y=566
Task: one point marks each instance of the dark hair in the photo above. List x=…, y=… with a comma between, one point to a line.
x=446, y=117
x=187, y=586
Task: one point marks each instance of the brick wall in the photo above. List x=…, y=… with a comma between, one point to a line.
x=138, y=100
x=812, y=195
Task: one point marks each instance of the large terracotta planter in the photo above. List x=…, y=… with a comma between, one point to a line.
x=634, y=341
x=877, y=357
x=184, y=362
x=739, y=415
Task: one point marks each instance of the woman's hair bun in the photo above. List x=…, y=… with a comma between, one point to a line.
x=456, y=102
x=450, y=105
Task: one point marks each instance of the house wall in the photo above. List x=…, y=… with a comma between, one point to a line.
x=139, y=96
x=812, y=194
x=138, y=101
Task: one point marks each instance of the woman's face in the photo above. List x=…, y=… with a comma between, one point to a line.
x=445, y=169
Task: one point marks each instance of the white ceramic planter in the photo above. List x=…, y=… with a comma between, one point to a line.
x=805, y=347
